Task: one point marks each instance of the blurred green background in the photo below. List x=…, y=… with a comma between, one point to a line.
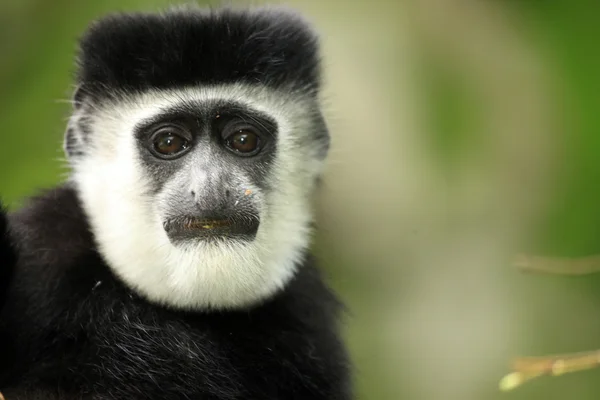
x=464, y=133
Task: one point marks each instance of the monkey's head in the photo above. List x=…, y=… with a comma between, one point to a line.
x=196, y=142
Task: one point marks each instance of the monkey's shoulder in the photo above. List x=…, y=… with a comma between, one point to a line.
x=43, y=242
x=51, y=229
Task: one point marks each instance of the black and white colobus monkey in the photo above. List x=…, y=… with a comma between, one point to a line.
x=173, y=264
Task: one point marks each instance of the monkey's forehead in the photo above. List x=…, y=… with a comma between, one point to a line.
x=135, y=52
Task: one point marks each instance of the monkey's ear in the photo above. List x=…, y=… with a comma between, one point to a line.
x=78, y=129
x=323, y=137
x=77, y=99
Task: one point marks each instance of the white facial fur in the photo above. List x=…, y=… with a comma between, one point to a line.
x=113, y=186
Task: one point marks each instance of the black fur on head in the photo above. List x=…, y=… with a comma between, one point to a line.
x=192, y=46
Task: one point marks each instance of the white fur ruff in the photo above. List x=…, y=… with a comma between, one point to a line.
x=112, y=184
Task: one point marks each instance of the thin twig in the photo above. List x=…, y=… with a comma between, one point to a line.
x=528, y=368
x=558, y=266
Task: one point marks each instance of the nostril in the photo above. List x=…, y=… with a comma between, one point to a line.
x=193, y=194
x=227, y=193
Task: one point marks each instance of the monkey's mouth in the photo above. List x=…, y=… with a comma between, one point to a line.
x=190, y=228
x=194, y=223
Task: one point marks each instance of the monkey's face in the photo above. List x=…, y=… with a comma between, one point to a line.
x=210, y=165
x=200, y=197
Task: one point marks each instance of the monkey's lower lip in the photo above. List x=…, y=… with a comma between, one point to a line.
x=190, y=228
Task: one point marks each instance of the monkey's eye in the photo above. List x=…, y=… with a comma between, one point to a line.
x=169, y=142
x=244, y=141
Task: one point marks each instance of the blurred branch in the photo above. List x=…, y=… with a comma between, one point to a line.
x=528, y=368
x=558, y=266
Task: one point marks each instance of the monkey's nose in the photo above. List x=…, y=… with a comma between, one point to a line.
x=213, y=197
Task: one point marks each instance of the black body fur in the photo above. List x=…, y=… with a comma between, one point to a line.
x=8, y=255
x=71, y=329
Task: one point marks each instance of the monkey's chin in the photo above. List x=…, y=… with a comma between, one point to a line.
x=185, y=229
